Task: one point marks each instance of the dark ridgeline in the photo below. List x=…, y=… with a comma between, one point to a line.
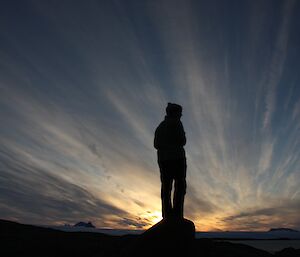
x=31, y=241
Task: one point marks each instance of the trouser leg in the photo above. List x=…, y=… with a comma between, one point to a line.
x=179, y=188
x=166, y=188
x=179, y=193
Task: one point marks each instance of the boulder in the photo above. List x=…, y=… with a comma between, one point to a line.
x=172, y=237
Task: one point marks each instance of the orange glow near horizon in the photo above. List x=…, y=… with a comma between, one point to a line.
x=152, y=217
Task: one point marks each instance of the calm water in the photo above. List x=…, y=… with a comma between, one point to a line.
x=269, y=245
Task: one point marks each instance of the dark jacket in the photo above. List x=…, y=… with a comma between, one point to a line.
x=169, y=139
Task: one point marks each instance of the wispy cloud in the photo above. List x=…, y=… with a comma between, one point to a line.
x=279, y=215
x=275, y=70
x=41, y=197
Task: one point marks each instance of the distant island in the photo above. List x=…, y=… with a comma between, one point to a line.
x=84, y=224
x=282, y=230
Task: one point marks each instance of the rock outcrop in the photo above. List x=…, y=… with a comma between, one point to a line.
x=172, y=237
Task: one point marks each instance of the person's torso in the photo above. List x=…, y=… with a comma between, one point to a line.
x=170, y=140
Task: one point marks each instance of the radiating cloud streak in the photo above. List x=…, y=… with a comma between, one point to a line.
x=83, y=87
x=282, y=214
x=39, y=196
x=277, y=62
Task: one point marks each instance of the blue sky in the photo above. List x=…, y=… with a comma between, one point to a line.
x=85, y=83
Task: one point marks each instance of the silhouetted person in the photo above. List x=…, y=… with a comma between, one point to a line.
x=169, y=141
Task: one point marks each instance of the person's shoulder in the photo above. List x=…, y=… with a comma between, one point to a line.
x=161, y=124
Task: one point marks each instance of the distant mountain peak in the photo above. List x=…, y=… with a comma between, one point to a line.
x=84, y=224
x=283, y=229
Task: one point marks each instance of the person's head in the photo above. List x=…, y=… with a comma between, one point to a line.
x=174, y=110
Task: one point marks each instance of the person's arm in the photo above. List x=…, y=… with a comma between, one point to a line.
x=156, y=145
x=182, y=135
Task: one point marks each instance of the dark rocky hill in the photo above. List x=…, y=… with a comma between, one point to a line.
x=84, y=224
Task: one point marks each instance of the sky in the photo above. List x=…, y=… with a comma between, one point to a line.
x=84, y=84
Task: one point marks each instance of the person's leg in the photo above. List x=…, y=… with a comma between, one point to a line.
x=179, y=193
x=179, y=189
x=166, y=188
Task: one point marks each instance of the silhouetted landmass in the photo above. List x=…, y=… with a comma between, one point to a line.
x=288, y=252
x=166, y=238
x=84, y=224
x=283, y=229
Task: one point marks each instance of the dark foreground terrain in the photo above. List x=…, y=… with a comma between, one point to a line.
x=161, y=240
